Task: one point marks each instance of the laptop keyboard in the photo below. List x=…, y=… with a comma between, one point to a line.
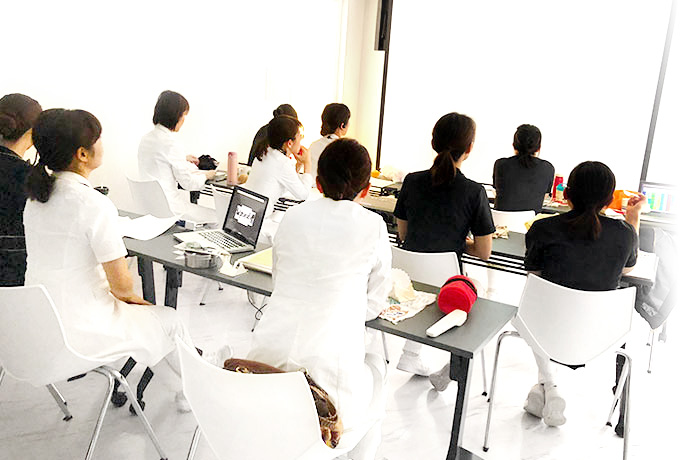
x=222, y=240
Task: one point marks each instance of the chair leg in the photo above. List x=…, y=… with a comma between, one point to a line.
x=2, y=374
x=626, y=404
x=194, y=444
x=207, y=289
x=137, y=408
x=651, y=350
x=101, y=414
x=60, y=402
x=619, y=391
x=493, y=385
x=484, y=393
x=385, y=347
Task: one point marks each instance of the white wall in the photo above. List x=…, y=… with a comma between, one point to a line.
x=234, y=61
x=584, y=72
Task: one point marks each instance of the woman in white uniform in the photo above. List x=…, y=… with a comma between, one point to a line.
x=335, y=119
x=274, y=174
x=331, y=273
x=75, y=250
x=162, y=157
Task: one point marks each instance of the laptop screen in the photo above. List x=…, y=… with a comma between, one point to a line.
x=245, y=215
x=661, y=197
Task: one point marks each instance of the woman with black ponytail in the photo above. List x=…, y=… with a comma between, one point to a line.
x=75, y=249
x=437, y=209
x=581, y=249
x=523, y=180
x=17, y=115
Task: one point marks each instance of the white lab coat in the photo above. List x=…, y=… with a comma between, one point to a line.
x=316, y=148
x=331, y=273
x=274, y=176
x=162, y=157
x=67, y=240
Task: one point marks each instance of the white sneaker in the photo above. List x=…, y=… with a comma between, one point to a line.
x=441, y=379
x=218, y=357
x=413, y=364
x=534, y=404
x=554, y=406
x=182, y=403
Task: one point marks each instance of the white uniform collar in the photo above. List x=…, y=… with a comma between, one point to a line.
x=69, y=175
x=163, y=128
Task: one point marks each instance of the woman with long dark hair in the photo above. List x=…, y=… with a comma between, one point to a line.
x=581, y=249
x=259, y=141
x=17, y=116
x=75, y=249
x=275, y=174
x=523, y=180
x=439, y=207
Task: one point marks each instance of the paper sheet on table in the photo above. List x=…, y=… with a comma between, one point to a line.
x=144, y=227
x=397, y=312
x=380, y=182
x=646, y=266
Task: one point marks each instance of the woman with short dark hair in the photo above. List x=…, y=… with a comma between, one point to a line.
x=162, y=157
x=331, y=273
x=76, y=251
x=274, y=173
x=335, y=120
x=581, y=249
x=17, y=116
x=523, y=180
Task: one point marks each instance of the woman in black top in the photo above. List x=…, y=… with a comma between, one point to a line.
x=17, y=115
x=262, y=134
x=521, y=181
x=437, y=208
x=583, y=250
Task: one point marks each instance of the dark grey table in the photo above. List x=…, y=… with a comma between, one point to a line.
x=486, y=319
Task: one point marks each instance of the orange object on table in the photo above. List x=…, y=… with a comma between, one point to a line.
x=618, y=195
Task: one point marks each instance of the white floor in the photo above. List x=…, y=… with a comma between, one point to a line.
x=418, y=420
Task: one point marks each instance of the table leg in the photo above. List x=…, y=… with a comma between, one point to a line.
x=148, y=286
x=461, y=372
x=173, y=281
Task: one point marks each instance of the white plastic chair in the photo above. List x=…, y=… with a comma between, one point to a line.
x=514, y=220
x=432, y=268
x=572, y=327
x=34, y=349
x=149, y=196
x=253, y=416
x=221, y=200
x=57, y=396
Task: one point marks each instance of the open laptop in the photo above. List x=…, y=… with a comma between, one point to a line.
x=241, y=226
x=661, y=197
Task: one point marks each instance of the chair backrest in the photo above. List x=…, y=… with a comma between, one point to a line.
x=242, y=416
x=514, y=220
x=32, y=340
x=149, y=196
x=572, y=326
x=432, y=268
x=221, y=200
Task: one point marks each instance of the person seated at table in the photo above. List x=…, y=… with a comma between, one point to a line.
x=331, y=273
x=581, y=249
x=437, y=209
x=17, y=115
x=523, y=180
x=275, y=174
x=335, y=119
x=260, y=136
x=162, y=157
x=75, y=250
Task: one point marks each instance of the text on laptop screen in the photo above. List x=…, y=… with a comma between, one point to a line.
x=661, y=197
x=245, y=215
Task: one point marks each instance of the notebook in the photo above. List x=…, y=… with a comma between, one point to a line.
x=260, y=261
x=241, y=226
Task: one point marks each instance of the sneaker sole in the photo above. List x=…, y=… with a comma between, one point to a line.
x=534, y=405
x=553, y=412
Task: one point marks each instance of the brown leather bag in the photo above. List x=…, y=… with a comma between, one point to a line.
x=331, y=425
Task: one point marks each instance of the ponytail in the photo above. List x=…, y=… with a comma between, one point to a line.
x=279, y=130
x=452, y=136
x=57, y=135
x=590, y=189
x=39, y=184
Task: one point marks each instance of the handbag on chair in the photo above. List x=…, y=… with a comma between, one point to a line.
x=331, y=425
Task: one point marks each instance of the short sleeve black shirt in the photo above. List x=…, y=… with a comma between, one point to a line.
x=520, y=188
x=440, y=218
x=578, y=263
x=13, y=171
